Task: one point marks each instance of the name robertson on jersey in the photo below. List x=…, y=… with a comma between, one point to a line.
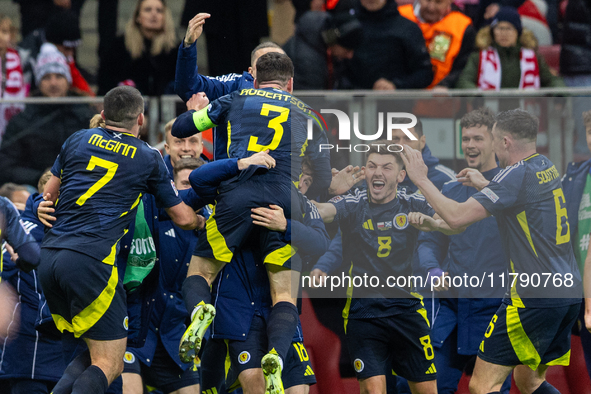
x=112, y=145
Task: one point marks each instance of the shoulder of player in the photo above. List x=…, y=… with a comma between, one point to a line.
x=516, y=170
x=452, y=187
x=227, y=77
x=354, y=196
x=442, y=171
x=403, y=195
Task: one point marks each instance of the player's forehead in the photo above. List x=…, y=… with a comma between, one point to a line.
x=475, y=131
x=380, y=160
x=399, y=134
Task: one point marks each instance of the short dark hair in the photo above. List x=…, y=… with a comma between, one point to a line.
x=418, y=128
x=479, y=117
x=189, y=163
x=274, y=66
x=122, y=105
x=380, y=147
x=519, y=123
x=263, y=45
x=587, y=118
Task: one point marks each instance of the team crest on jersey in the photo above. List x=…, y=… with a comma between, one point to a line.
x=244, y=357
x=401, y=221
x=129, y=358
x=126, y=323
x=358, y=365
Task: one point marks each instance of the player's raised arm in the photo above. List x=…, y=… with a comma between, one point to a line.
x=456, y=215
x=327, y=211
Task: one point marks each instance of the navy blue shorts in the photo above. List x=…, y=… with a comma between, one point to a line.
x=163, y=373
x=402, y=342
x=529, y=336
x=230, y=225
x=85, y=296
x=243, y=355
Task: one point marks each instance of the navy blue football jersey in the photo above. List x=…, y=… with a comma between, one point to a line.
x=379, y=241
x=103, y=176
x=12, y=228
x=260, y=119
x=528, y=203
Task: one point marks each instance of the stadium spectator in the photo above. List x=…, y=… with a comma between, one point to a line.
x=34, y=137
x=34, y=13
x=506, y=58
x=577, y=192
x=319, y=40
x=575, y=60
x=449, y=36
x=235, y=28
x=144, y=56
x=62, y=30
x=32, y=362
x=181, y=148
x=17, y=194
x=392, y=54
x=11, y=75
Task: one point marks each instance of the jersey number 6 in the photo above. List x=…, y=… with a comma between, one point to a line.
x=98, y=162
x=275, y=124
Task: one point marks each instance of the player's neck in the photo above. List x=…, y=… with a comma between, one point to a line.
x=272, y=85
x=134, y=131
x=517, y=156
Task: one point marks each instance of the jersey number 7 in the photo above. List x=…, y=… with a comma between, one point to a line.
x=111, y=170
x=275, y=124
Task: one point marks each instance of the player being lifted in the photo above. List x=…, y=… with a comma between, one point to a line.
x=101, y=174
x=384, y=331
x=528, y=333
x=264, y=118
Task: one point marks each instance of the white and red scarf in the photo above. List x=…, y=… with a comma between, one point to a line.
x=13, y=87
x=489, y=72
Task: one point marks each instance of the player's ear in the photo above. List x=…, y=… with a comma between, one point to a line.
x=256, y=83
x=422, y=142
x=251, y=71
x=140, y=119
x=289, y=87
x=401, y=176
x=103, y=114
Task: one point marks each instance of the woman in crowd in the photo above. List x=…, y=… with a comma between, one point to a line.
x=507, y=58
x=145, y=55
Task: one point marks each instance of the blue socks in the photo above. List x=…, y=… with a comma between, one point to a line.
x=546, y=388
x=92, y=381
x=195, y=290
x=76, y=367
x=281, y=327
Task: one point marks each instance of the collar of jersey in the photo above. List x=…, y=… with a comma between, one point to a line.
x=531, y=157
x=119, y=132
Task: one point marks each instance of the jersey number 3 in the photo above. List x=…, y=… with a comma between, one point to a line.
x=275, y=124
x=98, y=162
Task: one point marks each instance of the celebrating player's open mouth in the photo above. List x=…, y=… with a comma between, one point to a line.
x=473, y=157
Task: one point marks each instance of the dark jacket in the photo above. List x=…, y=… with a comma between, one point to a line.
x=575, y=56
x=152, y=75
x=34, y=138
x=392, y=48
x=307, y=50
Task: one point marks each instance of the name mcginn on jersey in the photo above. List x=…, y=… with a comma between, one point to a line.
x=112, y=145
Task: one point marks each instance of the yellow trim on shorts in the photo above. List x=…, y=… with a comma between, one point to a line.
x=522, y=345
x=423, y=312
x=515, y=298
x=280, y=256
x=562, y=360
x=216, y=240
x=349, y=297
x=88, y=317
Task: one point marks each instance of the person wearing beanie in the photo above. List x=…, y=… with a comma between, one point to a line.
x=449, y=36
x=321, y=41
x=506, y=58
x=34, y=137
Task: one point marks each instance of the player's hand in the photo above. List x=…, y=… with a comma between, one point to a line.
x=441, y=283
x=271, y=218
x=472, y=177
x=63, y=3
x=383, y=84
x=197, y=101
x=258, y=159
x=416, y=169
x=422, y=222
x=318, y=278
x=345, y=179
x=44, y=212
x=200, y=222
x=11, y=252
x=195, y=28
